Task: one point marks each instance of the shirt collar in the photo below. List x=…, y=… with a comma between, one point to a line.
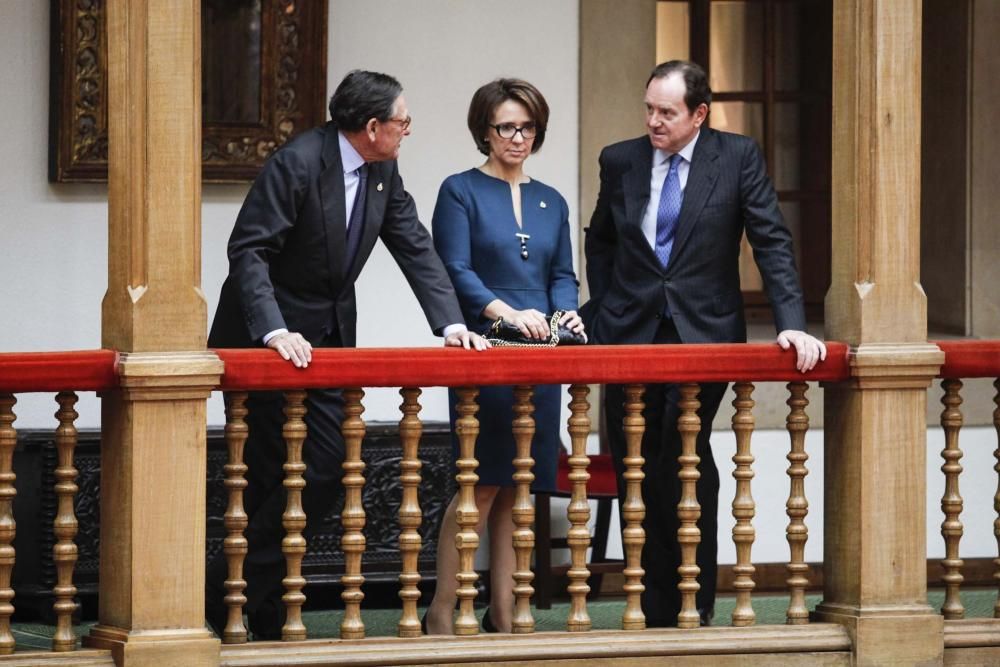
x=660, y=156
x=349, y=157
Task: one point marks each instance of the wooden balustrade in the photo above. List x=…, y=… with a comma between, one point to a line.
x=64, y=551
x=523, y=511
x=8, y=441
x=467, y=540
x=951, y=501
x=578, y=511
x=410, y=430
x=235, y=519
x=743, y=505
x=352, y=518
x=634, y=511
x=293, y=546
x=688, y=509
x=797, y=507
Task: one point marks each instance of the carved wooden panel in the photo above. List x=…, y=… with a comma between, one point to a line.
x=292, y=90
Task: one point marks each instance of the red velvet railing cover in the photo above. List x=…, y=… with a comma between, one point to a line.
x=89, y=370
x=970, y=358
x=431, y=367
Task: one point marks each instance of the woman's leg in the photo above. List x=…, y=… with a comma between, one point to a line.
x=441, y=612
x=502, y=560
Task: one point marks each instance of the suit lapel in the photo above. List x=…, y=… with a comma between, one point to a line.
x=331, y=189
x=635, y=182
x=701, y=180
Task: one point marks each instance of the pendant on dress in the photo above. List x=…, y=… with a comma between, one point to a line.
x=524, y=244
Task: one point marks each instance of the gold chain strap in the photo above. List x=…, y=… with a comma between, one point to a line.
x=553, y=333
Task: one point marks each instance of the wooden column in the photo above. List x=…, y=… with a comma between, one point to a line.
x=875, y=440
x=153, y=451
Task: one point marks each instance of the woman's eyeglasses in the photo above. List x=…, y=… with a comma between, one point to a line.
x=508, y=130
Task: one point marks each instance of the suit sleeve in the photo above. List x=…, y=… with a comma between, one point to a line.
x=411, y=246
x=771, y=242
x=267, y=216
x=564, y=290
x=601, y=237
x=453, y=239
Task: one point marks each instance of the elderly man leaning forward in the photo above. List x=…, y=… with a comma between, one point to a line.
x=305, y=231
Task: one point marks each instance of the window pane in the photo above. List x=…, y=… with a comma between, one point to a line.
x=785, y=169
x=786, y=32
x=231, y=61
x=739, y=117
x=673, y=31
x=736, y=46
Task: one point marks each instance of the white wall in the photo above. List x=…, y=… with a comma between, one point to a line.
x=54, y=236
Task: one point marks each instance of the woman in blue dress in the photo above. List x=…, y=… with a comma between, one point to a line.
x=504, y=239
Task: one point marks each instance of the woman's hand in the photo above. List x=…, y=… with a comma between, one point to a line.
x=530, y=322
x=571, y=320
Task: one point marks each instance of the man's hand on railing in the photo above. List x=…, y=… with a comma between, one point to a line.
x=292, y=347
x=468, y=340
x=809, y=350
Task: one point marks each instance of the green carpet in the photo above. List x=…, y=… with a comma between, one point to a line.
x=605, y=615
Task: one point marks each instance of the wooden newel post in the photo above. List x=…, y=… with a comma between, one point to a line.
x=153, y=451
x=875, y=550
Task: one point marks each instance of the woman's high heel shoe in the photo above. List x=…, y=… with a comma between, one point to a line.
x=488, y=622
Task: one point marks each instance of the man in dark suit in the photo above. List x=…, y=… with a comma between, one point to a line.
x=663, y=267
x=307, y=227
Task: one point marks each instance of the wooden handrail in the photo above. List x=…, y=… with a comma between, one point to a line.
x=970, y=358
x=87, y=370
x=434, y=367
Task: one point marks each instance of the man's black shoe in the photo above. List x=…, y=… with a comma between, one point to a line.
x=266, y=621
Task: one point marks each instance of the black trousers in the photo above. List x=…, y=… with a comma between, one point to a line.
x=661, y=489
x=264, y=498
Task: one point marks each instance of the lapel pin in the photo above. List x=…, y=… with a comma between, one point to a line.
x=379, y=187
x=542, y=204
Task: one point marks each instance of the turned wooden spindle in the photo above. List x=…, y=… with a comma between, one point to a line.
x=352, y=518
x=578, y=511
x=797, y=507
x=235, y=519
x=996, y=496
x=743, y=504
x=951, y=501
x=523, y=511
x=633, y=510
x=8, y=441
x=64, y=528
x=410, y=430
x=467, y=515
x=293, y=546
x=688, y=509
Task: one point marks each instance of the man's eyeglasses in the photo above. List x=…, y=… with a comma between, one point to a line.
x=508, y=130
x=404, y=123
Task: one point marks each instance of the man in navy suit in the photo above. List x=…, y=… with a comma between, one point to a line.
x=663, y=267
x=308, y=225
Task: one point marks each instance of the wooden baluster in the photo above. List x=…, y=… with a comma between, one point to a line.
x=410, y=430
x=235, y=519
x=797, y=506
x=996, y=496
x=352, y=543
x=578, y=511
x=951, y=501
x=743, y=504
x=688, y=509
x=64, y=552
x=467, y=515
x=294, y=518
x=633, y=510
x=8, y=441
x=523, y=511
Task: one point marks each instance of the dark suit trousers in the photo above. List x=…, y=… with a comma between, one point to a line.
x=264, y=499
x=661, y=489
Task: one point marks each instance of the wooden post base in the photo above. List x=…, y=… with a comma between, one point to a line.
x=156, y=648
x=885, y=636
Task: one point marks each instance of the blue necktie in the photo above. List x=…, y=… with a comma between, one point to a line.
x=668, y=211
x=357, y=221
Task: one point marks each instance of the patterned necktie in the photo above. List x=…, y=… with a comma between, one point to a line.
x=357, y=222
x=668, y=211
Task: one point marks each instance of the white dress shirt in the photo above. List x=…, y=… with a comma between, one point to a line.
x=661, y=165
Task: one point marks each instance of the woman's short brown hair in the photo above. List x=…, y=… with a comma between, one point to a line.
x=486, y=100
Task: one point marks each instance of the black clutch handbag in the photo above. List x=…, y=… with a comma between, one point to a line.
x=504, y=333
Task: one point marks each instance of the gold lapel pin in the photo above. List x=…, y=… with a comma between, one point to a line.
x=379, y=187
x=542, y=204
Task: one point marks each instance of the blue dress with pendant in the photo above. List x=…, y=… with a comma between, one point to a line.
x=475, y=233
